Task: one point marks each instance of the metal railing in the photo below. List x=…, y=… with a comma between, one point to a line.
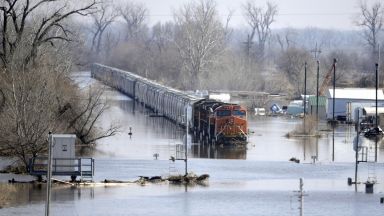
x=83, y=167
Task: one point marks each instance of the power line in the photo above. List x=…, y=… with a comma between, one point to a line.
x=279, y=14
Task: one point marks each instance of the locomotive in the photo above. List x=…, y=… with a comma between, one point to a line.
x=220, y=122
x=210, y=120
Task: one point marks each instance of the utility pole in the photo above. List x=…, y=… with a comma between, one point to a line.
x=333, y=110
x=377, y=88
x=305, y=87
x=301, y=197
x=357, y=147
x=300, y=194
x=248, y=45
x=49, y=174
x=317, y=91
x=378, y=68
x=317, y=52
x=186, y=141
x=376, y=117
x=334, y=86
x=305, y=95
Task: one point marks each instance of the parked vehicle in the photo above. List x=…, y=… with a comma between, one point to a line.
x=260, y=111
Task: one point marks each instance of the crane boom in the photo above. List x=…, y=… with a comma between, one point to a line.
x=327, y=80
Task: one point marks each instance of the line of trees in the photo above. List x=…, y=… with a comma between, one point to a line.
x=37, y=93
x=198, y=50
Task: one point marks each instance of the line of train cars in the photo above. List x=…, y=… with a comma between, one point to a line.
x=210, y=120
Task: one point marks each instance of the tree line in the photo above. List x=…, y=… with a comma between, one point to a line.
x=198, y=49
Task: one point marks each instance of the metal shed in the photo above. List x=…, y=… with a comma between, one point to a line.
x=346, y=96
x=312, y=101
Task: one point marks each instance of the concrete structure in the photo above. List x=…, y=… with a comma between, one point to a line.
x=344, y=97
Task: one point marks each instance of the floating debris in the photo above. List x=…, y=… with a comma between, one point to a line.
x=13, y=181
x=190, y=178
x=293, y=159
x=373, y=133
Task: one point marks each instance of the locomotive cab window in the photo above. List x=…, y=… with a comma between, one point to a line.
x=239, y=112
x=223, y=113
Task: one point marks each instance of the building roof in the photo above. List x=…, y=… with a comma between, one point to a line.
x=322, y=100
x=372, y=110
x=356, y=93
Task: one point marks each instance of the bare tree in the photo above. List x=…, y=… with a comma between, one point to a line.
x=371, y=20
x=111, y=41
x=39, y=97
x=83, y=116
x=16, y=18
x=103, y=18
x=222, y=76
x=134, y=15
x=346, y=68
x=292, y=63
x=286, y=39
x=260, y=21
x=29, y=112
x=199, y=38
x=162, y=35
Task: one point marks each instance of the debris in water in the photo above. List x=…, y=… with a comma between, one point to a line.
x=373, y=133
x=293, y=159
x=190, y=178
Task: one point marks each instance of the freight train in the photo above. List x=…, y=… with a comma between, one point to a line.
x=209, y=120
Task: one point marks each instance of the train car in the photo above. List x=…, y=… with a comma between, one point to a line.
x=121, y=80
x=165, y=101
x=220, y=122
x=209, y=119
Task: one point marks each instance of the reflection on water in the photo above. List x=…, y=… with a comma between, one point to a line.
x=22, y=194
x=219, y=151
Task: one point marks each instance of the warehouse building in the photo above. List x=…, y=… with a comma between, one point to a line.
x=345, y=97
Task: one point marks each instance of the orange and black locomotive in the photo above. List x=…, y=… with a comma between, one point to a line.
x=220, y=122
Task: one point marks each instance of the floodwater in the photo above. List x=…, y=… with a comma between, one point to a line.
x=254, y=180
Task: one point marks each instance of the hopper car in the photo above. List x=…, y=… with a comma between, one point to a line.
x=209, y=120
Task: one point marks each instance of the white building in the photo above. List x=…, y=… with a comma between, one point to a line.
x=344, y=97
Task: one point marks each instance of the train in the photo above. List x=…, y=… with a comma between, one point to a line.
x=209, y=120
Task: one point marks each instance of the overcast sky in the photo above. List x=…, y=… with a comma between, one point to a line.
x=333, y=14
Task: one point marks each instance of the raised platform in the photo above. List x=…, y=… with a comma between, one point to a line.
x=83, y=167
